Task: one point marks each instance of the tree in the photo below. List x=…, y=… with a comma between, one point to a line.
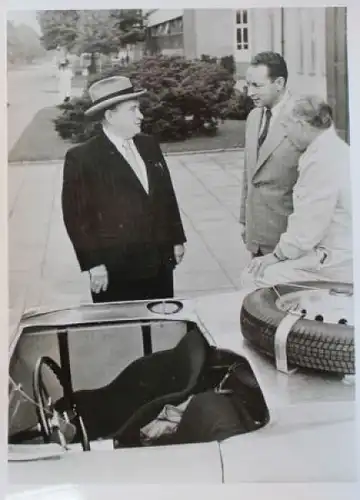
x=105, y=31
x=23, y=44
x=91, y=31
x=131, y=25
x=97, y=32
x=59, y=28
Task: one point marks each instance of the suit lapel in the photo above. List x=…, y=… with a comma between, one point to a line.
x=276, y=134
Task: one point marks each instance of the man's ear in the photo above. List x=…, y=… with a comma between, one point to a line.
x=280, y=83
x=107, y=115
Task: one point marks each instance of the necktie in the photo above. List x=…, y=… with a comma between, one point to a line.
x=265, y=131
x=131, y=157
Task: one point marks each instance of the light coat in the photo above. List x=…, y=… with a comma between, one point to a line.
x=322, y=217
x=318, y=239
x=268, y=181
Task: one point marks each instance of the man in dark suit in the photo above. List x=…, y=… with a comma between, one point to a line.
x=119, y=206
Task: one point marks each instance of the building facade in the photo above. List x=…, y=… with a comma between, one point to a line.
x=312, y=40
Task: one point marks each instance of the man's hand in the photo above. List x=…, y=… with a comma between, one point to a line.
x=243, y=232
x=179, y=251
x=258, y=265
x=99, y=279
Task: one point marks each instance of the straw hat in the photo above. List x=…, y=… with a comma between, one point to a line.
x=109, y=91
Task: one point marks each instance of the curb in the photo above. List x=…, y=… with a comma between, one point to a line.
x=180, y=153
x=33, y=162
x=204, y=151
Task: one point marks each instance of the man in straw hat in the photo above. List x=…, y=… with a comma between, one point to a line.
x=118, y=201
x=317, y=243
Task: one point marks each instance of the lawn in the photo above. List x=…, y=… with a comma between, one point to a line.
x=40, y=141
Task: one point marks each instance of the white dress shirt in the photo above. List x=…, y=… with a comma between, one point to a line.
x=127, y=148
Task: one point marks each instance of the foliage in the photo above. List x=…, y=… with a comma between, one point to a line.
x=131, y=24
x=228, y=62
x=239, y=105
x=91, y=31
x=207, y=58
x=23, y=44
x=58, y=27
x=72, y=124
x=184, y=98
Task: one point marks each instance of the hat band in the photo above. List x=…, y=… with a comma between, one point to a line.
x=129, y=90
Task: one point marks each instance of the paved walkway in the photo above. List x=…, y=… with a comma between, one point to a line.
x=41, y=92
x=42, y=265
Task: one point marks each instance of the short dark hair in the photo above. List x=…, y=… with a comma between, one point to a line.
x=275, y=63
x=314, y=110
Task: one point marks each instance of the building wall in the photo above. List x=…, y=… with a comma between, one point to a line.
x=189, y=30
x=214, y=32
x=159, y=16
x=304, y=49
x=166, y=37
x=298, y=33
x=337, y=69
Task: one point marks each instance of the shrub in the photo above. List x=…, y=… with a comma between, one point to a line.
x=73, y=124
x=239, y=106
x=228, y=62
x=184, y=98
x=207, y=58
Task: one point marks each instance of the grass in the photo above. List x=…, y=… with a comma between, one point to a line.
x=40, y=141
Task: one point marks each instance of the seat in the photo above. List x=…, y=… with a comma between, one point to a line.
x=138, y=394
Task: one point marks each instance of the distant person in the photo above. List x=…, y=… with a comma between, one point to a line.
x=317, y=243
x=119, y=205
x=65, y=76
x=271, y=159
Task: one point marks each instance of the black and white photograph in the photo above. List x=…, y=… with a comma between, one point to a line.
x=180, y=242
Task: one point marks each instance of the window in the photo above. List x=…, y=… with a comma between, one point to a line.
x=242, y=30
x=177, y=25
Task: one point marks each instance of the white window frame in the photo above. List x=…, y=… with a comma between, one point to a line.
x=242, y=49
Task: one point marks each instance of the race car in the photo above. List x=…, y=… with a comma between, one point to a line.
x=240, y=387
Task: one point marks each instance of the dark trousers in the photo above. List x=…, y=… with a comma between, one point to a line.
x=160, y=286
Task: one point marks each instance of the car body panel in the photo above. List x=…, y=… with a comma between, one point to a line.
x=198, y=463
x=305, y=443
x=310, y=436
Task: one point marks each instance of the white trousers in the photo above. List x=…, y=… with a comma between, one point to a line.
x=308, y=268
x=65, y=77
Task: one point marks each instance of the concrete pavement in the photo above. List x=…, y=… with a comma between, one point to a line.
x=42, y=265
x=30, y=89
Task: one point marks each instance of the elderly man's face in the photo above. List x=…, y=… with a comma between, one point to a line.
x=126, y=118
x=298, y=130
x=262, y=90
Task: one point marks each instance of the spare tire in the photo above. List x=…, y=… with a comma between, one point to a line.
x=321, y=345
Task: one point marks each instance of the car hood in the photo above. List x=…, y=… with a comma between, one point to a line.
x=198, y=463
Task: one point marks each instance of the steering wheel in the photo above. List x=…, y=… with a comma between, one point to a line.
x=48, y=416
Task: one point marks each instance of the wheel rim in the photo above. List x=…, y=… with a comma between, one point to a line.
x=323, y=305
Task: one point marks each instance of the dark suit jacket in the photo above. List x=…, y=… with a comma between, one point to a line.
x=108, y=215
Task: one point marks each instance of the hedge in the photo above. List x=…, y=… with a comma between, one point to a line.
x=184, y=98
